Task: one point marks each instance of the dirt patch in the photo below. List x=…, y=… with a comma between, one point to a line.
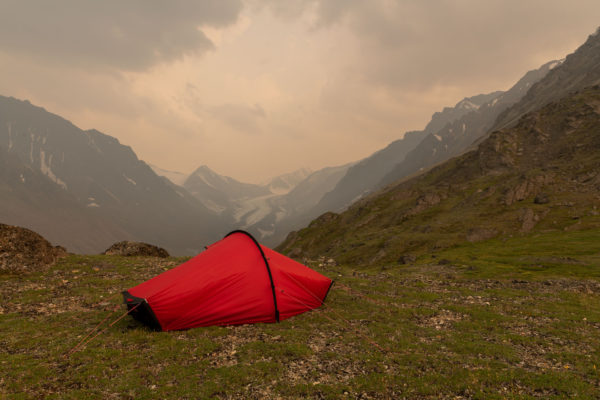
x=130, y=249
x=22, y=250
x=481, y=234
x=444, y=319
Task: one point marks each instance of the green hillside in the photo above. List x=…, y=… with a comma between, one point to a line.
x=518, y=319
x=543, y=175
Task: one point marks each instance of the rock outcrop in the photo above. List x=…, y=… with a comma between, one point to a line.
x=132, y=249
x=24, y=251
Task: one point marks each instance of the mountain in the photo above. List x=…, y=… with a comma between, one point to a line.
x=309, y=191
x=175, y=177
x=296, y=208
x=450, y=114
x=271, y=217
x=365, y=175
x=283, y=184
x=219, y=193
x=542, y=174
x=88, y=190
x=579, y=70
x=29, y=198
x=266, y=210
x=457, y=135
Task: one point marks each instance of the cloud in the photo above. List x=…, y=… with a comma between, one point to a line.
x=126, y=35
x=421, y=44
x=242, y=118
x=257, y=87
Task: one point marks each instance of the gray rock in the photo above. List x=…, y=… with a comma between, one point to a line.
x=131, y=249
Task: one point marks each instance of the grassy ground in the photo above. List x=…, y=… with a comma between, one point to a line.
x=511, y=319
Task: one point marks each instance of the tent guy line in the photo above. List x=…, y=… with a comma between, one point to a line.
x=207, y=287
x=82, y=344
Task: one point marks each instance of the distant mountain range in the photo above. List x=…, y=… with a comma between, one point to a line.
x=270, y=211
x=537, y=167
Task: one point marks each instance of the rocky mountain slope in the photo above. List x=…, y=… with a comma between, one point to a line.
x=296, y=208
x=175, y=177
x=30, y=199
x=269, y=210
x=440, y=140
x=579, y=70
x=219, y=193
x=457, y=135
x=85, y=190
x=543, y=174
x=283, y=184
x=365, y=176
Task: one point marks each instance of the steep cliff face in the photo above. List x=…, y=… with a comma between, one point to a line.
x=541, y=174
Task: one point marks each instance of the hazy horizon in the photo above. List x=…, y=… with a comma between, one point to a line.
x=302, y=83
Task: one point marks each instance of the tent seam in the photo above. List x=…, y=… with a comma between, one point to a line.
x=262, y=253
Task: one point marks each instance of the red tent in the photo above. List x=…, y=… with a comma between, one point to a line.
x=234, y=281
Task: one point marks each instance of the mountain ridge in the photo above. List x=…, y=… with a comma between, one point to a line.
x=541, y=175
x=110, y=186
x=460, y=134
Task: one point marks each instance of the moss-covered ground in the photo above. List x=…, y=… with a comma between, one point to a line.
x=502, y=319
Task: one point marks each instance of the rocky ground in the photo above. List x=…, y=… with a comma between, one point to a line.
x=132, y=249
x=23, y=251
x=427, y=330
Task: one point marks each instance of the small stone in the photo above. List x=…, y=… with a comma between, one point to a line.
x=541, y=198
x=407, y=259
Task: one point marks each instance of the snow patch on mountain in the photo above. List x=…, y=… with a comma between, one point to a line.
x=176, y=177
x=10, y=142
x=134, y=183
x=253, y=210
x=283, y=184
x=555, y=64
x=45, y=168
x=31, y=137
x=265, y=233
x=211, y=205
x=92, y=143
x=467, y=104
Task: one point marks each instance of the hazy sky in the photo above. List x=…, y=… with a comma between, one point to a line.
x=255, y=88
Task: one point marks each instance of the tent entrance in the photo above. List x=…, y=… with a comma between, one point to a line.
x=143, y=312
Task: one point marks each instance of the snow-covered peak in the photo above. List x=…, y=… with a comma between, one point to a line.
x=174, y=176
x=210, y=177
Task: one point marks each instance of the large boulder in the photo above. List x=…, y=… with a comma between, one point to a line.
x=130, y=249
x=22, y=250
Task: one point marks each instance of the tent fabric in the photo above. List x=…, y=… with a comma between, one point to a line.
x=234, y=281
